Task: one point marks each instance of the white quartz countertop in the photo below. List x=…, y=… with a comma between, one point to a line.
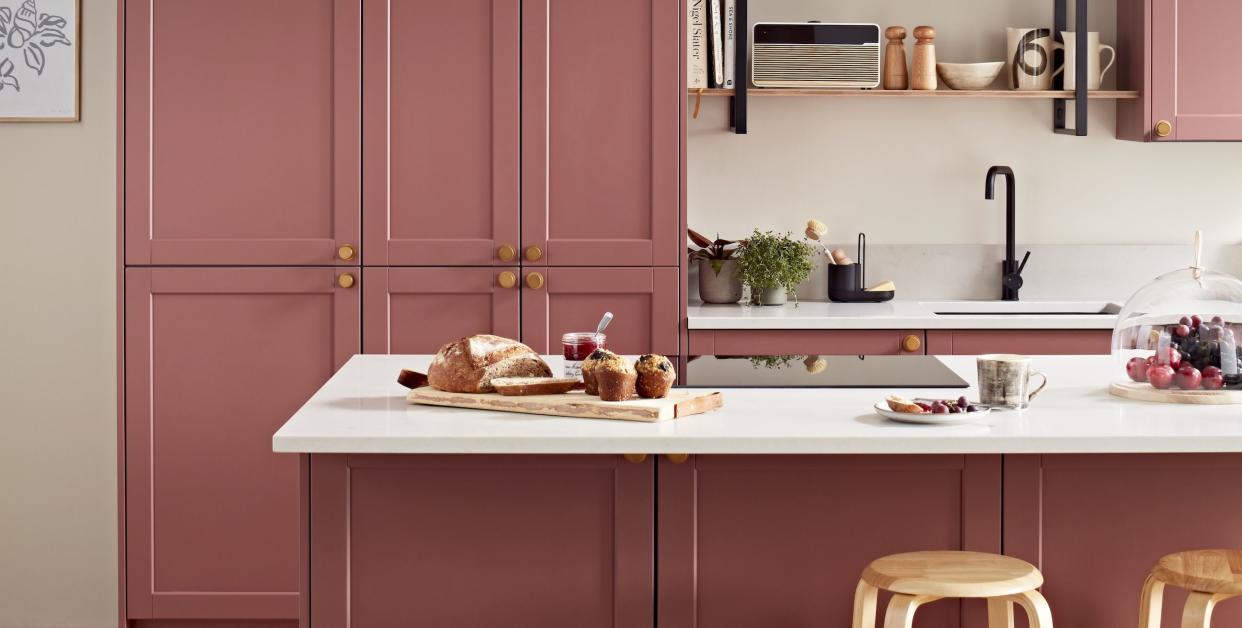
x=363, y=410
x=904, y=315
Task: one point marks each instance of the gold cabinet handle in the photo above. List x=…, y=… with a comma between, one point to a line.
x=1164, y=128
x=635, y=458
x=676, y=458
x=346, y=252
x=346, y=280
x=506, y=253
x=911, y=343
x=534, y=281
x=506, y=279
x=533, y=253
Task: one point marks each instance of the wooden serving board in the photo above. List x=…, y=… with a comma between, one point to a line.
x=577, y=404
x=1145, y=392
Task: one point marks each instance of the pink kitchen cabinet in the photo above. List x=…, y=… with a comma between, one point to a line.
x=416, y=310
x=1025, y=341
x=442, y=97
x=216, y=359
x=806, y=342
x=753, y=540
x=644, y=302
x=601, y=100
x=241, y=131
x=546, y=541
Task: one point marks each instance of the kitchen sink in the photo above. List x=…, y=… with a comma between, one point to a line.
x=1022, y=308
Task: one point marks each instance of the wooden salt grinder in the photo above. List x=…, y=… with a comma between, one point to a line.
x=923, y=75
x=895, y=74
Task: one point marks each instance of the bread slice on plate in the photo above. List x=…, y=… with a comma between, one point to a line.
x=523, y=386
x=897, y=403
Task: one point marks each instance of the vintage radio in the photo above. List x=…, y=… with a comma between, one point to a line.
x=815, y=54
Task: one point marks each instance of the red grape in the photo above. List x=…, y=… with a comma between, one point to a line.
x=1160, y=376
x=1215, y=381
x=1188, y=377
x=1195, y=321
x=1182, y=330
x=1185, y=321
x=1136, y=368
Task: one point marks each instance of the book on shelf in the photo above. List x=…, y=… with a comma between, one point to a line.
x=730, y=42
x=696, y=44
x=717, y=44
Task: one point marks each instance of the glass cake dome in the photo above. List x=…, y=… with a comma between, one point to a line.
x=1177, y=338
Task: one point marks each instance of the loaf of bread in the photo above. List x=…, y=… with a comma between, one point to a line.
x=469, y=365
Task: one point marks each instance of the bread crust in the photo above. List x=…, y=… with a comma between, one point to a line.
x=469, y=365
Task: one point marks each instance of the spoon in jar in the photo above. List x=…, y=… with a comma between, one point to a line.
x=603, y=323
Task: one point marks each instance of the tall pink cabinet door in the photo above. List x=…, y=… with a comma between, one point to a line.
x=747, y=541
x=482, y=541
x=600, y=162
x=1194, y=83
x=242, y=131
x=417, y=310
x=216, y=360
x=442, y=131
x=642, y=300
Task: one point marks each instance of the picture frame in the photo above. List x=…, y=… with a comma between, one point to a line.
x=40, y=60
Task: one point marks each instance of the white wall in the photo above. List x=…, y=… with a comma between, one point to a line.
x=58, y=359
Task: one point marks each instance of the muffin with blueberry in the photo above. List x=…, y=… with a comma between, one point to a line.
x=655, y=376
x=615, y=378
x=588, y=368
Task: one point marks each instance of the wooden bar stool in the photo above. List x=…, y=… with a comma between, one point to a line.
x=917, y=578
x=1209, y=575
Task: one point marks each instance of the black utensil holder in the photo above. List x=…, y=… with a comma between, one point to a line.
x=847, y=282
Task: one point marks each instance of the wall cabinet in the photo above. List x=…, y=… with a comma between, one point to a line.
x=417, y=310
x=644, y=302
x=216, y=359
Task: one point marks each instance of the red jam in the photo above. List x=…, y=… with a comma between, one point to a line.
x=578, y=346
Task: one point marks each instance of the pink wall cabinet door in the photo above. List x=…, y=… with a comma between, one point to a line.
x=1194, y=81
x=442, y=131
x=1026, y=341
x=1096, y=524
x=241, y=131
x=642, y=300
x=539, y=541
x=750, y=541
x=216, y=360
x=417, y=310
x=600, y=162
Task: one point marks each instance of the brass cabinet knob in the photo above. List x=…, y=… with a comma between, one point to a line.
x=346, y=252
x=1163, y=128
x=677, y=458
x=533, y=253
x=911, y=343
x=506, y=253
x=506, y=279
x=346, y=280
x=534, y=281
x=635, y=458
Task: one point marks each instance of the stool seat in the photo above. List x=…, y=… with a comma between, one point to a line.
x=1208, y=571
x=952, y=574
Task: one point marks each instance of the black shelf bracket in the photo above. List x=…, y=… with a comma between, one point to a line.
x=741, y=69
x=1059, y=105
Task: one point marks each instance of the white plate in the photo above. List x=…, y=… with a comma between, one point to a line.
x=927, y=418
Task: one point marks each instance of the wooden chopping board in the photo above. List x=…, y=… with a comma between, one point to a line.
x=1145, y=392
x=577, y=404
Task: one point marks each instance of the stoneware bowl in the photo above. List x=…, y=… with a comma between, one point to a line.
x=969, y=76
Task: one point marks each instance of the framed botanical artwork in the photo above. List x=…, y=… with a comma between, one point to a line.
x=40, y=55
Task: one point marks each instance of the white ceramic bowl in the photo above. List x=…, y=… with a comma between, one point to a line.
x=969, y=76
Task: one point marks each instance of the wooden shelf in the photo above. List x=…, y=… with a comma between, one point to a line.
x=940, y=93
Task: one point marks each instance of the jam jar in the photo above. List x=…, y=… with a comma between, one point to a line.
x=577, y=346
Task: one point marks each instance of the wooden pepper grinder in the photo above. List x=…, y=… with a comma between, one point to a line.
x=923, y=76
x=895, y=74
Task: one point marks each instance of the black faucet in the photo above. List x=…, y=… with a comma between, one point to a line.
x=1011, y=270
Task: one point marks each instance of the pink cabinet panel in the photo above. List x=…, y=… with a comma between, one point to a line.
x=1096, y=524
x=804, y=342
x=600, y=107
x=644, y=302
x=216, y=359
x=546, y=541
x=241, y=141
x=417, y=310
x=1194, y=82
x=748, y=541
x=442, y=130
x=1025, y=341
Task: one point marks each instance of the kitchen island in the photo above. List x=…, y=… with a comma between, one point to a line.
x=784, y=496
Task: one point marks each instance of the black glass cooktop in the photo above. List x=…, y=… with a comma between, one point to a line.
x=829, y=371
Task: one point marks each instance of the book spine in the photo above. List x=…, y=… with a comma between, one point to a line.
x=717, y=45
x=696, y=43
x=730, y=42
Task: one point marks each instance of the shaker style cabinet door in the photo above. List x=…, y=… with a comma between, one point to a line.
x=417, y=310
x=441, y=131
x=600, y=107
x=241, y=131
x=642, y=300
x=1194, y=83
x=216, y=360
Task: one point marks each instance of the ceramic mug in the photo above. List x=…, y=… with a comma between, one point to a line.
x=1005, y=380
x=1095, y=75
x=1029, y=62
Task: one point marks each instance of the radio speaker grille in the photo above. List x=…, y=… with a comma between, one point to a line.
x=816, y=65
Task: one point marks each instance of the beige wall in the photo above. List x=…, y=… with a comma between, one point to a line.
x=58, y=373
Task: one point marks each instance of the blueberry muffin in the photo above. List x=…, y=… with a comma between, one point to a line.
x=615, y=378
x=588, y=368
x=655, y=376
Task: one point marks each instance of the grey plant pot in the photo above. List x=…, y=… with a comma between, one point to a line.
x=773, y=296
x=722, y=287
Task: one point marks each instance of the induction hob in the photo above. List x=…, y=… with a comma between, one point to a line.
x=829, y=371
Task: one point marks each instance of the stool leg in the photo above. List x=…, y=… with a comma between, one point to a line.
x=1038, y=614
x=900, y=612
x=864, y=605
x=1000, y=613
x=1151, y=603
x=1198, y=610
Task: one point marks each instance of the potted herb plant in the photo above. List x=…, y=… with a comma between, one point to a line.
x=773, y=265
x=718, y=282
